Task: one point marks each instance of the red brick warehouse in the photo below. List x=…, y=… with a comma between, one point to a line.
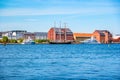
x=60, y=34
x=103, y=36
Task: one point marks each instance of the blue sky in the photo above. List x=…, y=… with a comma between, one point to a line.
x=80, y=15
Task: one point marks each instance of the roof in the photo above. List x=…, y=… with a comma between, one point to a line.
x=28, y=33
x=18, y=31
x=60, y=29
x=40, y=32
x=82, y=34
x=102, y=32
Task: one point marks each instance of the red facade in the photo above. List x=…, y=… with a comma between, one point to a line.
x=103, y=36
x=60, y=34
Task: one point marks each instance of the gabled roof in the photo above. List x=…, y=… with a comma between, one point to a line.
x=102, y=32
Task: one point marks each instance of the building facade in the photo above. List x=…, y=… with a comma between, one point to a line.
x=116, y=39
x=29, y=35
x=60, y=34
x=40, y=35
x=103, y=36
x=78, y=37
x=0, y=35
x=14, y=34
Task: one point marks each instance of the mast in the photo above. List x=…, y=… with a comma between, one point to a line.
x=54, y=31
x=65, y=31
x=60, y=31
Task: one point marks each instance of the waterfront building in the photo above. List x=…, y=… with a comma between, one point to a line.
x=40, y=35
x=103, y=36
x=14, y=34
x=78, y=37
x=7, y=33
x=60, y=34
x=29, y=35
x=116, y=39
x=0, y=35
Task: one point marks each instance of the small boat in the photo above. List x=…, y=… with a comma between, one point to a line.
x=92, y=40
x=28, y=42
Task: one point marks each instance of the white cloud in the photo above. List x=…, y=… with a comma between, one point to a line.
x=58, y=11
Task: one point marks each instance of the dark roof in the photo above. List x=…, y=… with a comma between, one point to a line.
x=18, y=30
x=60, y=29
x=101, y=32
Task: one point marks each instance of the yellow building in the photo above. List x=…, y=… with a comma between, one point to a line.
x=81, y=36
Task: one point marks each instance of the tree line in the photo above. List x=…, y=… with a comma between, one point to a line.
x=5, y=40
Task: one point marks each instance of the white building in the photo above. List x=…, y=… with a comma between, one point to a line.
x=14, y=34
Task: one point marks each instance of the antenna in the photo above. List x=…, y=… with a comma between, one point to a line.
x=65, y=31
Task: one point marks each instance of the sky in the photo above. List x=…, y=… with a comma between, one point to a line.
x=83, y=16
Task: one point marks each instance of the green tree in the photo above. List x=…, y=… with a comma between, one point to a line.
x=1, y=41
x=41, y=41
x=20, y=40
x=13, y=41
x=5, y=39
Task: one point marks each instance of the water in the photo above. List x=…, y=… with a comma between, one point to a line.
x=60, y=62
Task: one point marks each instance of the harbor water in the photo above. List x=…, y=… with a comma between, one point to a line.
x=60, y=62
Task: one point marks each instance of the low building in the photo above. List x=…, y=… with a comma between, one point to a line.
x=17, y=34
x=0, y=35
x=78, y=37
x=29, y=35
x=116, y=39
x=60, y=34
x=103, y=36
x=14, y=34
x=40, y=35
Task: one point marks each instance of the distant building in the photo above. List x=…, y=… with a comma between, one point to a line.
x=0, y=35
x=103, y=36
x=82, y=36
x=17, y=34
x=14, y=34
x=60, y=34
x=116, y=39
x=29, y=35
x=7, y=33
x=40, y=35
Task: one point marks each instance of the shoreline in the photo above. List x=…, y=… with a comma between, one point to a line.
x=42, y=43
